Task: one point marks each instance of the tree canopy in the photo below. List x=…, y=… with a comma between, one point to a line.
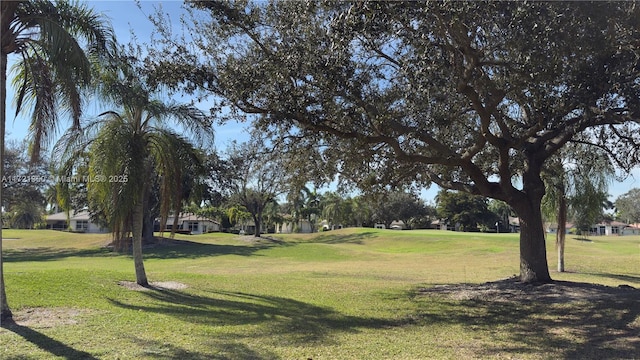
x=259, y=179
x=398, y=206
x=471, y=96
x=23, y=202
x=628, y=206
x=464, y=211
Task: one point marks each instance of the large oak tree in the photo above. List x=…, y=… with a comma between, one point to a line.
x=471, y=96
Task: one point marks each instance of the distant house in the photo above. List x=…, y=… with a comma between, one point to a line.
x=604, y=228
x=439, y=224
x=552, y=228
x=633, y=229
x=609, y=228
x=192, y=224
x=614, y=228
x=304, y=226
x=249, y=227
x=514, y=224
x=395, y=225
x=78, y=221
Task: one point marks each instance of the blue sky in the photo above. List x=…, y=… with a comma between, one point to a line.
x=126, y=17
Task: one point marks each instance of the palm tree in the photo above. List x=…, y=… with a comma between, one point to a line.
x=297, y=199
x=502, y=210
x=333, y=209
x=238, y=213
x=361, y=210
x=132, y=146
x=576, y=179
x=312, y=208
x=52, y=70
x=555, y=203
x=304, y=205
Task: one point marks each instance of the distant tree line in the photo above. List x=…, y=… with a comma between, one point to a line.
x=247, y=183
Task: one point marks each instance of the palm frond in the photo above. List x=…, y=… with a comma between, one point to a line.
x=173, y=158
x=116, y=151
x=54, y=69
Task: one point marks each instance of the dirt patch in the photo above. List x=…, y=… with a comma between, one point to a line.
x=40, y=318
x=512, y=290
x=558, y=320
x=157, y=285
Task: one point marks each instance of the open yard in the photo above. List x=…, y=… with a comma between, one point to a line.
x=347, y=294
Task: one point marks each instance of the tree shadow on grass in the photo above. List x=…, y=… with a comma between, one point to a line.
x=170, y=250
x=50, y=345
x=625, y=278
x=221, y=350
x=193, y=250
x=336, y=238
x=50, y=253
x=563, y=320
x=292, y=320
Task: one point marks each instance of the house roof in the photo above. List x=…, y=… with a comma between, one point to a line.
x=73, y=215
x=83, y=215
x=190, y=217
x=611, y=223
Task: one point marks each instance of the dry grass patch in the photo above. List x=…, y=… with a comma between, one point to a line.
x=41, y=317
x=154, y=285
x=512, y=290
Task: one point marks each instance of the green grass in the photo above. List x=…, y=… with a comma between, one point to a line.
x=348, y=294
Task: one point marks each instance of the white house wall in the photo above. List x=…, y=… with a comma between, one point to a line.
x=303, y=227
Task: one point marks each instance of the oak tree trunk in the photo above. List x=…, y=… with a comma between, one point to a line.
x=257, y=221
x=533, y=253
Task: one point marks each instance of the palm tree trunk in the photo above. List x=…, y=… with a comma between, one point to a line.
x=5, y=312
x=136, y=227
x=562, y=229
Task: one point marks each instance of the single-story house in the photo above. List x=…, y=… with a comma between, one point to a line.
x=552, y=228
x=514, y=224
x=439, y=225
x=79, y=221
x=608, y=228
x=632, y=229
x=304, y=226
x=602, y=228
x=395, y=225
x=193, y=224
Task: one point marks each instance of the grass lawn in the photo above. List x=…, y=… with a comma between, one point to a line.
x=347, y=294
